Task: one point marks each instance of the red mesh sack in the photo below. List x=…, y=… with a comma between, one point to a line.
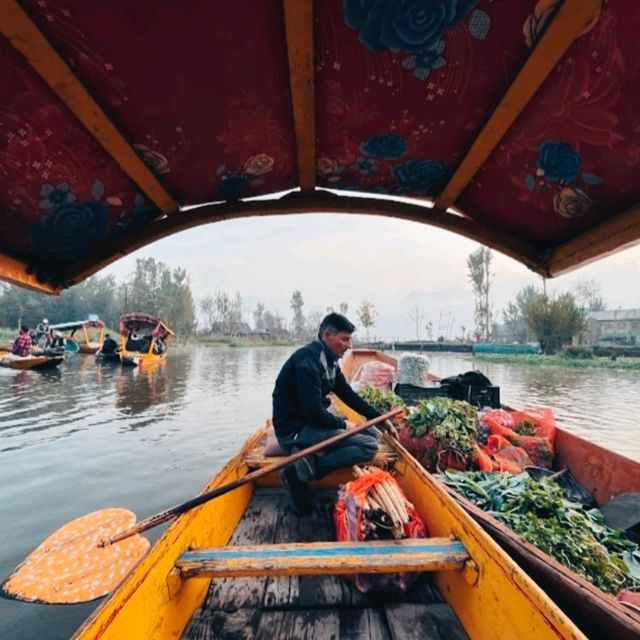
x=349, y=514
x=376, y=374
x=500, y=455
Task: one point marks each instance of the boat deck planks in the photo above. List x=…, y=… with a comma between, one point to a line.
x=315, y=607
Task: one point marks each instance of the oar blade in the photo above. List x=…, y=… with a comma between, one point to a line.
x=71, y=566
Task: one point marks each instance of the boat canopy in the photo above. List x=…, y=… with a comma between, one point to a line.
x=74, y=326
x=144, y=324
x=515, y=124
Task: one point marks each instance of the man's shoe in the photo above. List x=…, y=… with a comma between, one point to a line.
x=297, y=492
x=306, y=468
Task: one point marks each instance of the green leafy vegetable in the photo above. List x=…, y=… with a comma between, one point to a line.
x=538, y=511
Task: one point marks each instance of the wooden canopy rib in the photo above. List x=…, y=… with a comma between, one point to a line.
x=620, y=232
x=567, y=25
x=15, y=272
x=29, y=40
x=295, y=203
x=298, y=16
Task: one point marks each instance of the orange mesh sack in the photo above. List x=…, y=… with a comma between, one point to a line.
x=533, y=430
x=360, y=515
x=500, y=455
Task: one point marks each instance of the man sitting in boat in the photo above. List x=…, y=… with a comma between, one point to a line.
x=22, y=344
x=300, y=411
x=109, y=346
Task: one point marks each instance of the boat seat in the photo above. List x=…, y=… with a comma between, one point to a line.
x=262, y=455
x=324, y=558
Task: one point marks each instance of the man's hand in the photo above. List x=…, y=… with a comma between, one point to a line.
x=390, y=429
x=349, y=425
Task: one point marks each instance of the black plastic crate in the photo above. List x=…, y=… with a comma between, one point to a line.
x=478, y=396
x=412, y=394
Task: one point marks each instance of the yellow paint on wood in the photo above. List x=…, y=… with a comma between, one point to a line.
x=145, y=606
x=298, y=16
x=567, y=25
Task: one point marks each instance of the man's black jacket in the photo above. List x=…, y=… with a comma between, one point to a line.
x=302, y=387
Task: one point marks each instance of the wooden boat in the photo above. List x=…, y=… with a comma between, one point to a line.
x=144, y=339
x=35, y=362
x=88, y=334
x=244, y=561
x=606, y=475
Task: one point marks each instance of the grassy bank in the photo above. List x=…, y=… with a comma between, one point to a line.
x=561, y=361
x=223, y=341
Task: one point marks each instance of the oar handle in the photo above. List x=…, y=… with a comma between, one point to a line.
x=159, y=518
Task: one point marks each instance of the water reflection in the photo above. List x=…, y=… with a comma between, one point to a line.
x=138, y=389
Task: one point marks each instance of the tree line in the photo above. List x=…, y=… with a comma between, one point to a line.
x=153, y=288
x=553, y=320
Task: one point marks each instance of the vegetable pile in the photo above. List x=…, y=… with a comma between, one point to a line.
x=380, y=399
x=441, y=433
x=538, y=511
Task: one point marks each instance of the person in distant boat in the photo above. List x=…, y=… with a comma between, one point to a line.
x=22, y=344
x=109, y=346
x=301, y=417
x=42, y=334
x=159, y=346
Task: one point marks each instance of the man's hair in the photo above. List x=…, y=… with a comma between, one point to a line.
x=24, y=328
x=335, y=322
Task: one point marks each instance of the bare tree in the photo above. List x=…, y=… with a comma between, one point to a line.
x=416, y=317
x=479, y=265
x=367, y=315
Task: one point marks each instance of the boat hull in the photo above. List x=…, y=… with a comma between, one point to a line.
x=154, y=602
x=36, y=363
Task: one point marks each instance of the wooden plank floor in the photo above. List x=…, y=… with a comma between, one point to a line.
x=313, y=607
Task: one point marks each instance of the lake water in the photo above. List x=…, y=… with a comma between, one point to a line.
x=87, y=437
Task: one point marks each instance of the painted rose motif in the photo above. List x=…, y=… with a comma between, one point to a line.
x=558, y=161
x=327, y=166
x=258, y=164
x=571, y=202
x=70, y=229
x=403, y=25
x=387, y=146
x=422, y=63
x=420, y=176
x=54, y=196
x=153, y=159
x=559, y=172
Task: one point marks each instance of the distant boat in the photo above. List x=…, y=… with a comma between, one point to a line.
x=144, y=339
x=38, y=363
x=85, y=336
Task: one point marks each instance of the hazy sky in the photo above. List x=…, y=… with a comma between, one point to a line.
x=394, y=264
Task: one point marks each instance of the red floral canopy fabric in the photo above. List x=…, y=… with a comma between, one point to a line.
x=202, y=92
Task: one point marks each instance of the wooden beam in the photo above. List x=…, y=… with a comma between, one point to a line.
x=298, y=16
x=14, y=271
x=620, y=232
x=29, y=40
x=296, y=203
x=324, y=558
x=568, y=24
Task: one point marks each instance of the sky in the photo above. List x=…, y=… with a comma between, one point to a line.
x=396, y=265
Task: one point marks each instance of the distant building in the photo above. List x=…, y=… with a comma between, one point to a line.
x=619, y=328
x=234, y=329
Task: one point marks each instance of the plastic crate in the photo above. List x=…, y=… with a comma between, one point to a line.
x=412, y=394
x=478, y=396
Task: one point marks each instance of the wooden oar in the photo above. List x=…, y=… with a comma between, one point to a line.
x=89, y=556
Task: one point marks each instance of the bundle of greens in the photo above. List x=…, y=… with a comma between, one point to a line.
x=538, y=511
x=380, y=399
x=442, y=433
